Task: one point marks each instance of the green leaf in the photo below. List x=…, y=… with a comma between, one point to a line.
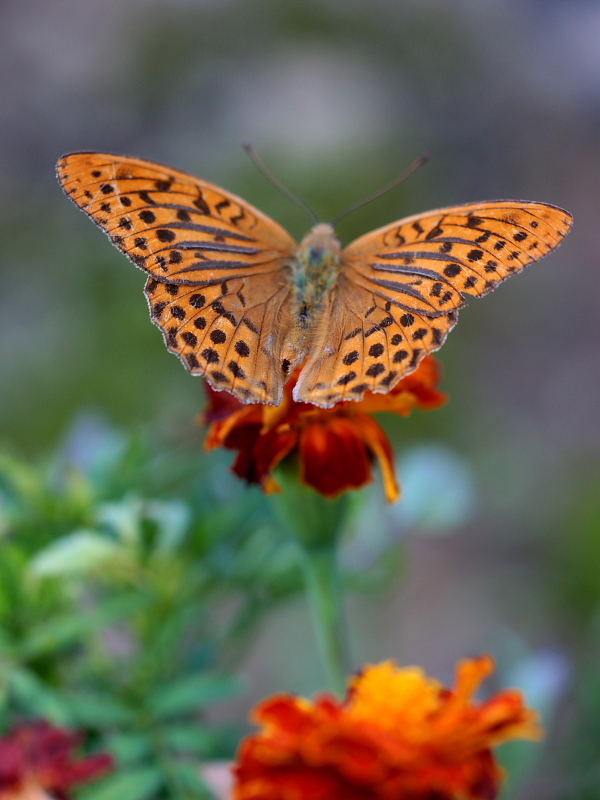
x=23, y=478
x=76, y=554
x=192, y=738
x=66, y=629
x=4, y=695
x=190, y=781
x=128, y=747
x=131, y=784
x=172, y=518
x=37, y=699
x=54, y=634
x=97, y=709
x=192, y=693
x=124, y=518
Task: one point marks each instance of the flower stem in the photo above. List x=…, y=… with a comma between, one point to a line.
x=323, y=588
x=317, y=524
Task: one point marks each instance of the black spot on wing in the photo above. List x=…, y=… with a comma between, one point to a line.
x=345, y=379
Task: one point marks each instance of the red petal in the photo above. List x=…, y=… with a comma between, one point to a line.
x=244, y=440
x=380, y=447
x=273, y=447
x=423, y=384
x=220, y=405
x=12, y=765
x=333, y=456
x=285, y=712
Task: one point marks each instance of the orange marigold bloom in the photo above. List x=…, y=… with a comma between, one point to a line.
x=398, y=735
x=37, y=762
x=336, y=446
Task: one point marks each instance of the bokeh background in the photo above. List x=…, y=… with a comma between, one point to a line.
x=499, y=532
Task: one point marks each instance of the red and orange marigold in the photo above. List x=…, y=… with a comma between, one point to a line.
x=398, y=735
x=336, y=446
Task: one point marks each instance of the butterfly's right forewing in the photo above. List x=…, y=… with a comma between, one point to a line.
x=219, y=285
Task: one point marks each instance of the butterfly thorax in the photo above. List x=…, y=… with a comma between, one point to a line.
x=315, y=270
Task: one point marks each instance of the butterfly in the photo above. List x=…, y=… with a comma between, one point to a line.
x=240, y=302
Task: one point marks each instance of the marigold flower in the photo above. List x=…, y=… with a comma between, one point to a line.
x=335, y=446
x=398, y=735
x=37, y=761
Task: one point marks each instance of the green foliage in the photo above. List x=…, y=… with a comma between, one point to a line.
x=126, y=614
x=577, y=562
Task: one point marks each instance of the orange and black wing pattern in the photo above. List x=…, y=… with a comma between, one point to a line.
x=218, y=268
x=400, y=289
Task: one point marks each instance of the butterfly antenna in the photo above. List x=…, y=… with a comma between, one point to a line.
x=272, y=179
x=407, y=172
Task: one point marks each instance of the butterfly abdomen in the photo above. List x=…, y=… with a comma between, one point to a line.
x=315, y=271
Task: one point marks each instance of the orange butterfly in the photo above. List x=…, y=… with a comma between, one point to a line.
x=240, y=302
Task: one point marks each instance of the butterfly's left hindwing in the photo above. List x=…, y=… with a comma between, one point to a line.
x=400, y=289
x=219, y=285
x=366, y=344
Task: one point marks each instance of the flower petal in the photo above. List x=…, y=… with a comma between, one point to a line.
x=221, y=405
x=417, y=390
x=398, y=734
x=336, y=445
x=333, y=455
x=379, y=445
x=37, y=758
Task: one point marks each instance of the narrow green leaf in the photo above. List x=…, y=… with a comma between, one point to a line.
x=192, y=693
x=97, y=709
x=128, y=747
x=131, y=784
x=190, y=781
x=192, y=738
x=75, y=554
x=172, y=518
x=36, y=698
x=69, y=628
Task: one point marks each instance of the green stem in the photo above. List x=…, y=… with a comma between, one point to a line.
x=324, y=591
x=318, y=524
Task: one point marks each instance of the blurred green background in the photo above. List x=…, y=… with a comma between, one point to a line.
x=500, y=525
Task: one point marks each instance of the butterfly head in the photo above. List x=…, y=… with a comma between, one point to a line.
x=320, y=245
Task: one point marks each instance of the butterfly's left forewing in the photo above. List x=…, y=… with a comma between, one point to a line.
x=218, y=286
x=400, y=289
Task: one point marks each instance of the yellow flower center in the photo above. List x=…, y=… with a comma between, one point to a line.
x=394, y=699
